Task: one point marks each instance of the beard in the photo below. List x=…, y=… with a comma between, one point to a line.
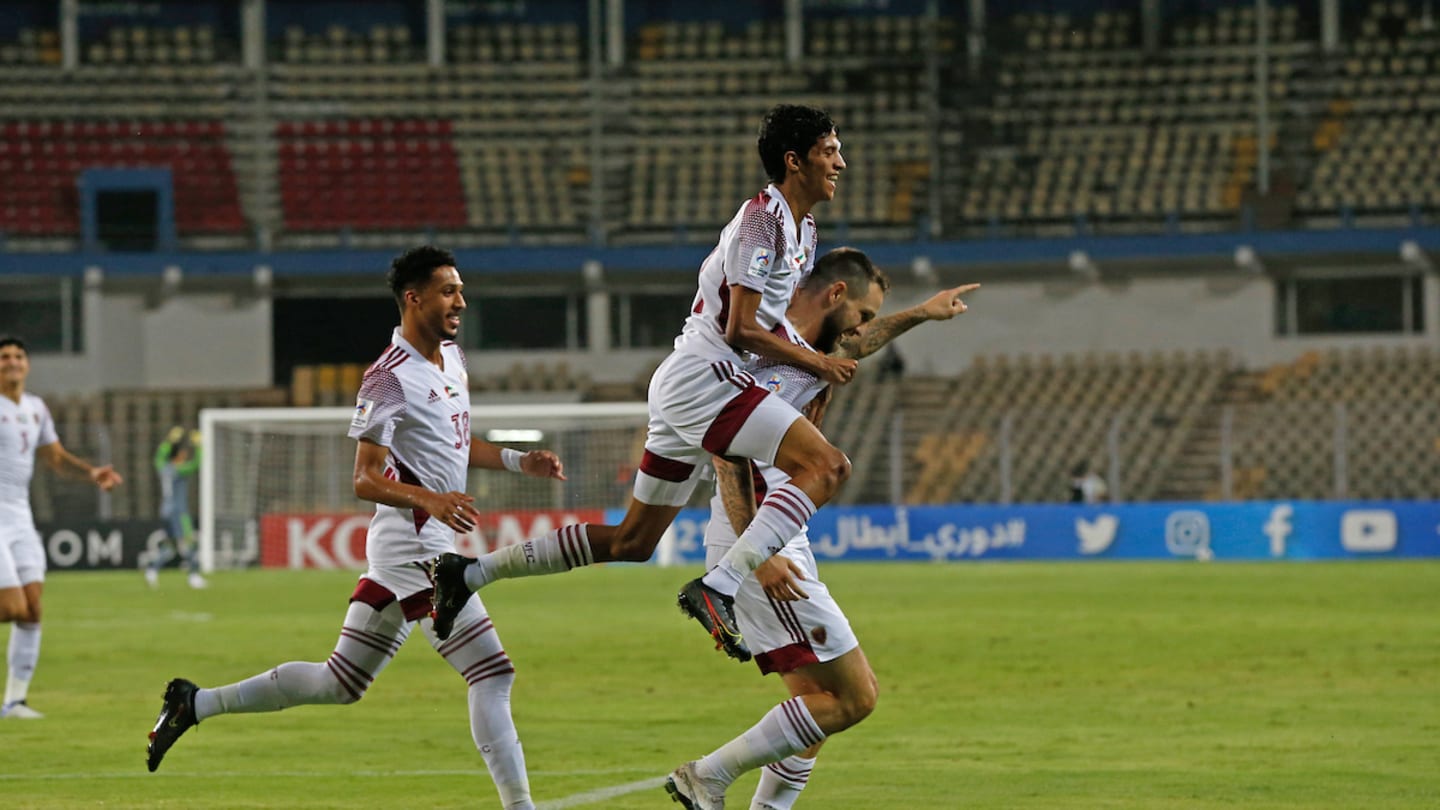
x=829, y=337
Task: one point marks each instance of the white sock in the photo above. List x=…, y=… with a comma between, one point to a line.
x=368, y=640
x=554, y=553
x=474, y=650
x=22, y=656
x=493, y=729
x=781, y=783
x=783, y=514
x=784, y=731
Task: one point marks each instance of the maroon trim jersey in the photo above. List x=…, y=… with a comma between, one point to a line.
x=762, y=249
x=420, y=413
x=24, y=426
x=795, y=386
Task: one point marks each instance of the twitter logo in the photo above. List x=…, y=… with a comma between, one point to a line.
x=1096, y=535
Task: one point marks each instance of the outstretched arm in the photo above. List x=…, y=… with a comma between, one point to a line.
x=63, y=462
x=942, y=306
x=536, y=463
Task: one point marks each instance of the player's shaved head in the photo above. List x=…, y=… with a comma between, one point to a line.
x=413, y=268
x=849, y=265
x=790, y=128
x=11, y=340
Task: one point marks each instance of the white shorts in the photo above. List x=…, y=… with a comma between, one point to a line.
x=409, y=584
x=785, y=636
x=700, y=408
x=22, y=554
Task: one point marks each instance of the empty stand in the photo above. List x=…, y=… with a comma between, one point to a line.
x=1375, y=407
x=471, y=149
x=955, y=432
x=369, y=174
x=507, y=43
x=339, y=43
x=41, y=161
x=694, y=93
x=32, y=46
x=159, y=45
x=1068, y=124
x=1086, y=131
x=1371, y=149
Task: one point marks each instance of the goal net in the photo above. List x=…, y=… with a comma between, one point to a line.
x=276, y=483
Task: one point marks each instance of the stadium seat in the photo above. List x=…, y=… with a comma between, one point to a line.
x=44, y=159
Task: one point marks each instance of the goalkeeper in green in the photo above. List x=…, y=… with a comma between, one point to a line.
x=177, y=457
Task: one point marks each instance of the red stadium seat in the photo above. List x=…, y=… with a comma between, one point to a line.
x=376, y=174
x=48, y=154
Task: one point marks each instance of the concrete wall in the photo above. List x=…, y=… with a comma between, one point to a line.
x=187, y=341
x=1212, y=313
x=221, y=340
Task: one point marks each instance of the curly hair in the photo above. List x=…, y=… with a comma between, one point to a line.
x=413, y=268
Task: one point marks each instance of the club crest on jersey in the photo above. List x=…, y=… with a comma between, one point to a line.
x=774, y=384
x=760, y=262
x=363, y=409
x=451, y=391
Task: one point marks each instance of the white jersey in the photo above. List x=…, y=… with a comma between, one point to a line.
x=795, y=386
x=761, y=249
x=24, y=426
x=421, y=414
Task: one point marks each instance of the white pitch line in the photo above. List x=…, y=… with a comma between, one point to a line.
x=575, y=800
x=600, y=795
x=140, y=774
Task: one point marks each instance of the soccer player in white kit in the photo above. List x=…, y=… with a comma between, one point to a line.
x=26, y=431
x=703, y=402
x=796, y=630
x=412, y=425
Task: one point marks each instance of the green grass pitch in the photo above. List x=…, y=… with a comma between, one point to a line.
x=1093, y=685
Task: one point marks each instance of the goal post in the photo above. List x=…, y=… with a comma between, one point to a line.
x=276, y=484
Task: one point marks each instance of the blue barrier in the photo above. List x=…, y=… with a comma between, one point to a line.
x=684, y=259
x=1292, y=530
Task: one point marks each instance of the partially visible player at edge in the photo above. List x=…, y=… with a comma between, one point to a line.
x=703, y=402
x=412, y=426
x=26, y=432
x=798, y=631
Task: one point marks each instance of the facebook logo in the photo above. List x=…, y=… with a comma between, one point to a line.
x=1278, y=528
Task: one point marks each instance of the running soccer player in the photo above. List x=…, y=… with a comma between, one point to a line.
x=702, y=401
x=412, y=426
x=26, y=431
x=796, y=630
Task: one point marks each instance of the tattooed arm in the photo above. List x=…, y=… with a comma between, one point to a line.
x=780, y=576
x=942, y=306
x=737, y=491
